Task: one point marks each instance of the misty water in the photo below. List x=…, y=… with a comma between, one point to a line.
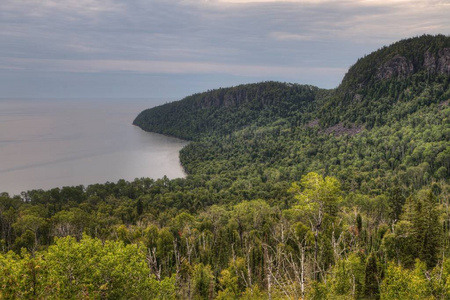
x=54, y=143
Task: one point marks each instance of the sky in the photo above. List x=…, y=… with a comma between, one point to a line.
x=173, y=48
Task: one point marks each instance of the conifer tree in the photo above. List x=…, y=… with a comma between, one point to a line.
x=427, y=229
x=371, y=288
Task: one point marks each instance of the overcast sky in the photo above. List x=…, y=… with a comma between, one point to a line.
x=173, y=48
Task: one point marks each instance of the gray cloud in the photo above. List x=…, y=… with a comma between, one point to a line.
x=249, y=40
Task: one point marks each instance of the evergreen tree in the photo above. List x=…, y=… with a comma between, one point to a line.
x=139, y=207
x=396, y=201
x=371, y=286
x=427, y=229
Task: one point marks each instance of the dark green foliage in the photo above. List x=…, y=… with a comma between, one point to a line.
x=139, y=207
x=363, y=73
x=401, y=154
x=401, y=78
x=396, y=201
x=226, y=110
x=405, y=74
x=359, y=223
x=203, y=281
x=372, y=278
x=269, y=132
x=427, y=229
x=247, y=222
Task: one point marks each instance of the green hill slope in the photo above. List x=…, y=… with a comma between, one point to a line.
x=405, y=76
x=226, y=110
x=257, y=217
x=388, y=122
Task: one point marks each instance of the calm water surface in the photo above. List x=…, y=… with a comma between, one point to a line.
x=54, y=143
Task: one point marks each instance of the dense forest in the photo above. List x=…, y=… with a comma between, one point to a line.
x=292, y=192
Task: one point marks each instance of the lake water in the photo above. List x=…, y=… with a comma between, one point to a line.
x=54, y=143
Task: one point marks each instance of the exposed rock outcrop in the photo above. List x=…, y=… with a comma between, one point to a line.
x=227, y=99
x=340, y=129
x=357, y=97
x=398, y=66
x=313, y=123
x=439, y=64
x=429, y=62
x=444, y=61
x=401, y=67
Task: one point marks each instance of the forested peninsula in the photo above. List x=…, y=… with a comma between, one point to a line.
x=292, y=192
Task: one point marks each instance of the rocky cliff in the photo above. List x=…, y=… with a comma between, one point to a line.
x=398, y=66
x=414, y=71
x=399, y=61
x=439, y=63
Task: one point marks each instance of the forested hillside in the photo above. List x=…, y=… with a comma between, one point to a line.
x=292, y=192
x=226, y=110
x=405, y=76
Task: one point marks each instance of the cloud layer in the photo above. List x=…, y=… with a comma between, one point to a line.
x=302, y=41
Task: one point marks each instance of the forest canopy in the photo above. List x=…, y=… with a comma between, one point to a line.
x=292, y=192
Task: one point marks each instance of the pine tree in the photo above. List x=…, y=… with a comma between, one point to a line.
x=139, y=207
x=396, y=202
x=371, y=287
x=427, y=229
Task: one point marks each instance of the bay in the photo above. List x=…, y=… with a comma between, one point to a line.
x=63, y=142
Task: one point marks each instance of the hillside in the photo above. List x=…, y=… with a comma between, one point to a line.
x=404, y=77
x=386, y=121
x=226, y=110
x=293, y=192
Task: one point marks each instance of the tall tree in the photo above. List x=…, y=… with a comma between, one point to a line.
x=317, y=196
x=371, y=282
x=427, y=228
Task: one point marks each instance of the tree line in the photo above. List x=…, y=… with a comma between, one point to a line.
x=292, y=192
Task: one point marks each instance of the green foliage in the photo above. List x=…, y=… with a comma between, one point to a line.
x=203, y=282
x=289, y=187
x=21, y=277
x=392, y=78
x=228, y=286
x=347, y=279
x=399, y=246
x=372, y=278
x=404, y=284
x=317, y=291
x=426, y=230
x=226, y=110
x=85, y=269
x=317, y=194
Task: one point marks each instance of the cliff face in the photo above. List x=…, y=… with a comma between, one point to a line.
x=437, y=64
x=398, y=66
x=255, y=95
x=226, y=99
x=426, y=54
x=392, y=75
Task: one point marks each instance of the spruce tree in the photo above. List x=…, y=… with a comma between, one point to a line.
x=427, y=229
x=371, y=288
